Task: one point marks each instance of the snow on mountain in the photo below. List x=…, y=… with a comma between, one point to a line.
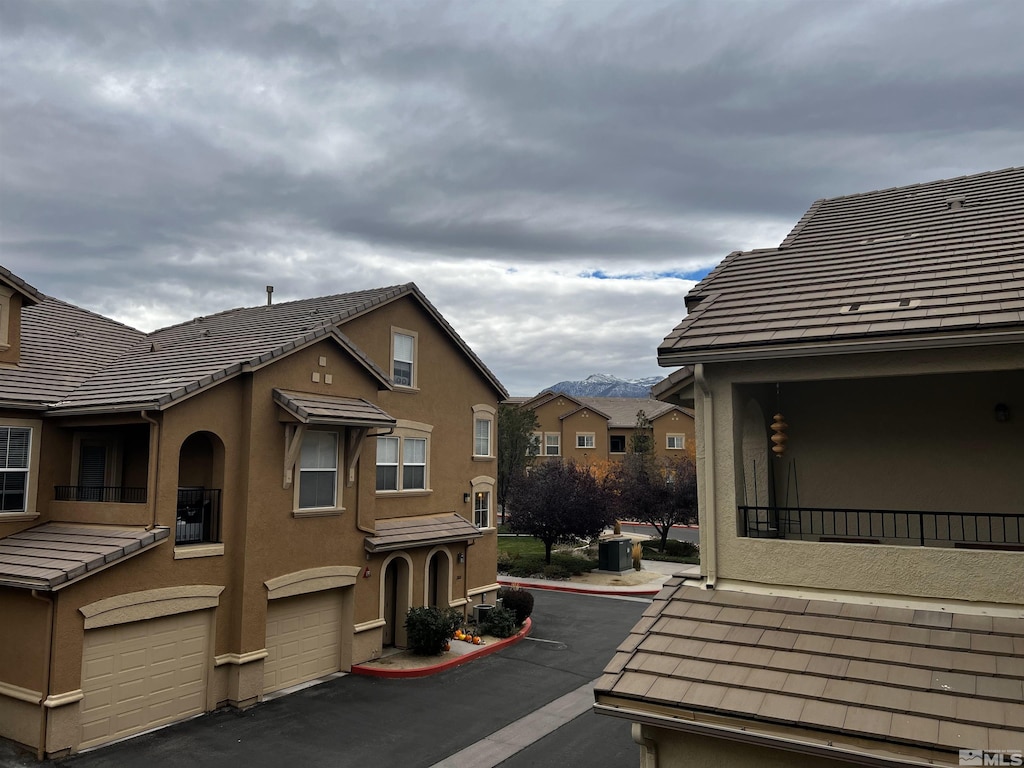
x=606, y=385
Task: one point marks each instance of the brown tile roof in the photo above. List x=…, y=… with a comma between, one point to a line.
x=922, y=264
x=327, y=409
x=12, y=280
x=50, y=556
x=848, y=672
x=622, y=411
x=62, y=346
x=420, y=531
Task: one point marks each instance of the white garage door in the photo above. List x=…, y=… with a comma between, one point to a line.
x=303, y=639
x=143, y=674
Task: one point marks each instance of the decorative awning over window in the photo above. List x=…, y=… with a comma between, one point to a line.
x=50, y=556
x=330, y=410
x=420, y=531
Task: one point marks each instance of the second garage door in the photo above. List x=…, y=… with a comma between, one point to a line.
x=303, y=639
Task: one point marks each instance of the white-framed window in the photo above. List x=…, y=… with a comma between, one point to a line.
x=675, y=442
x=584, y=439
x=483, y=431
x=616, y=444
x=552, y=444
x=533, y=448
x=15, y=455
x=483, y=494
x=403, y=458
x=403, y=357
x=318, y=470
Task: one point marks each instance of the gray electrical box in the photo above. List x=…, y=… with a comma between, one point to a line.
x=615, y=555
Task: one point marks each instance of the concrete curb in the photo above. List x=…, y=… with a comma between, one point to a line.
x=455, y=661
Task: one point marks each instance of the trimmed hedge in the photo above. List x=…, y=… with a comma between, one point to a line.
x=430, y=629
x=527, y=566
x=518, y=601
x=501, y=622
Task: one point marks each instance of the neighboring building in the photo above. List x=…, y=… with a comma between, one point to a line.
x=592, y=429
x=861, y=597
x=228, y=507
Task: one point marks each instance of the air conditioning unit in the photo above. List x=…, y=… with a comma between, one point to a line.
x=480, y=612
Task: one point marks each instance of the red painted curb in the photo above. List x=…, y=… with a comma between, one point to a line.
x=582, y=590
x=359, y=669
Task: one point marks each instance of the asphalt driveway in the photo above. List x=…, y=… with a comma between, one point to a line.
x=361, y=721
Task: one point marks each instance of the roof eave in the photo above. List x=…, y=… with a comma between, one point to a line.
x=372, y=547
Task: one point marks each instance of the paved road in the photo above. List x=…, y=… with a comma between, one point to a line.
x=678, y=532
x=361, y=721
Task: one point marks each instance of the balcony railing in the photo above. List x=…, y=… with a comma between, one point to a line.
x=198, y=519
x=111, y=494
x=877, y=526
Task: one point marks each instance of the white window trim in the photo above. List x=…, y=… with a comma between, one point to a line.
x=485, y=413
x=415, y=358
x=407, y=429
x=670, y=438
x=338, y=508
x=581, y=437
x=30, y=512
x=558, y=437
x=484, y=484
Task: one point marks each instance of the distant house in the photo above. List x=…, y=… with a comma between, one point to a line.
x=861, y=598
x=225, y=508
x=591, y=429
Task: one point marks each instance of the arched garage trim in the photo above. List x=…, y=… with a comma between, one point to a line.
x=150, y=604
x=311, y=580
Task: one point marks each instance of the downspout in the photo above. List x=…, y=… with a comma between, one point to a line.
x=154, y=465
x=47, y=663
x=710, y=521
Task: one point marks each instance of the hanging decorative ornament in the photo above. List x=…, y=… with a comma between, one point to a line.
x=779, y=427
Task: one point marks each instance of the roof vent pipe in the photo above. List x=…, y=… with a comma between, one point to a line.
x=270, y=293
x=956, y=203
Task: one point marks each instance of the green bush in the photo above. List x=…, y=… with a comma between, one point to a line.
x=430, y=629
x=501, y=622
x=518, y=601
x=556, y=572
x=527, y=566
x=675, y=551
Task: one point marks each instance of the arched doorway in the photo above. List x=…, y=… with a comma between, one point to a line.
x=200, y=480
x=396, y=602
x=438, y=579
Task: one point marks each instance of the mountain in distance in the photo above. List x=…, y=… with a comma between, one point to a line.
x=606, y=385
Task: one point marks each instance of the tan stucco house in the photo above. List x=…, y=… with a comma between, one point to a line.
x=593, y=429
x=226, y=508
x=861, y=595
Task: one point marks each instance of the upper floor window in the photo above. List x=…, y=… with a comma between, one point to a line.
x=403, y=358
x=482, y=437
x=676, y=442
x=616, y=443
x=482, y=509
x=552, y=444
x=15, y=449
x=318, y=470
x=584, y=439
x=402, y=461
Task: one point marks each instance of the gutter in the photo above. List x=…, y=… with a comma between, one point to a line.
x=47, y=663
x=154, y=465
x=708, y=423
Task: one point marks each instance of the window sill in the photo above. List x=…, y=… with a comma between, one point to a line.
x=404, y=388
x=318, y=512
x=403, y=494
x=17, y=517
x=188, y=551
x=483, y=458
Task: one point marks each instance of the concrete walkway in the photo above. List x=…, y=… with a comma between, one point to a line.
x=659, y=573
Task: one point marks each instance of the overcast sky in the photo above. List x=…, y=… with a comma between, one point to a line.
x=553, y=175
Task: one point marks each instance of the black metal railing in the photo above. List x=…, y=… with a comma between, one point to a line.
x=913, y=528
x=198, y=518
x=111, y=494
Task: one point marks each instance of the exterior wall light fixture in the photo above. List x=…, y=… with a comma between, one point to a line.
x=465, y=498
x=461, y=557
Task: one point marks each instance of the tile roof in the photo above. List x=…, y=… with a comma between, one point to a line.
x=622, y=411
x=327, y=409
x=15, y=282
x=920, y=264
x=61, y=347
x=49, y=556
x=911, y=679
x=420, y=531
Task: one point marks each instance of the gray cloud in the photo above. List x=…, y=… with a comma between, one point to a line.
x=167, y=159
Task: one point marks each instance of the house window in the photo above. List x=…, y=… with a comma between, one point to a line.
x=15, y=447
x=533, y=448
x=482, y=437
x=584, y=439
x=318, y=470
x=403, y=360
x=617, y=444
x=402, y=462
x=552, y=444
x=482, y=509
x=676, y=442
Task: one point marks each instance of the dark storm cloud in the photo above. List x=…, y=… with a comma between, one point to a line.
x=165, y=159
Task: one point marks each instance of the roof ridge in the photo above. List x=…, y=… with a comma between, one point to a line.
x=932, y=183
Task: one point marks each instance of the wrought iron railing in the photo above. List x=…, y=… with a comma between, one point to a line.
x=914, y=528
x=111, y=494
x=198, y=518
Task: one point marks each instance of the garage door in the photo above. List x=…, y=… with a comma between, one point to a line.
x=303, y=639
x=143, y=674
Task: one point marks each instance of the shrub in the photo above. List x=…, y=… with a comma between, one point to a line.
x=556, y=572
x=501, y=622
x=527, y=566
x=430, y=628
x=504, y=561
x=518, y=601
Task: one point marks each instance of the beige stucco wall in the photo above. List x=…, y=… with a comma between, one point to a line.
x=585, y=421
x=672, y=423
x=927, y=441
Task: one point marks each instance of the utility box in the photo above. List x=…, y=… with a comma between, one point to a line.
x=615, y=555
x=480, y=612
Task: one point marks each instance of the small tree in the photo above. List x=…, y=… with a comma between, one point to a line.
x=662, y=492
x=558, y=500
x=516, y=449
x=641, y=442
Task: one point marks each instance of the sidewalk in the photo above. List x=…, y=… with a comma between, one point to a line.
x=644, y=583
